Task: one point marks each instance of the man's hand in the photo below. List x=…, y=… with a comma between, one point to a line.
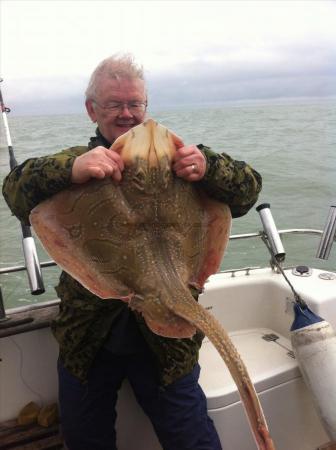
x=189, y=163
x=97, y=163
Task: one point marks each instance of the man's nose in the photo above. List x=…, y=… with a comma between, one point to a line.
x=124, y=111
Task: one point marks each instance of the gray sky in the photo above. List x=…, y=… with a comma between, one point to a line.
x=192, y=51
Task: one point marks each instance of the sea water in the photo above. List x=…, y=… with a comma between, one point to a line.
x=290, y=142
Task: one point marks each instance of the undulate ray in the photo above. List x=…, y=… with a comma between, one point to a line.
x=146, y=240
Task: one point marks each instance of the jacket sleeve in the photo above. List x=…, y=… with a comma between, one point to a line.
x=37, y=179
x=229, y=181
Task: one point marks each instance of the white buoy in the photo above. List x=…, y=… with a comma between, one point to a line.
x=314, y=345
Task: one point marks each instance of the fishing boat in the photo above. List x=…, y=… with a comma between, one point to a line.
x=254, y=304
x=273, y=314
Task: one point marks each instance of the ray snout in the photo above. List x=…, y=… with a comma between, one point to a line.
x=150, y=142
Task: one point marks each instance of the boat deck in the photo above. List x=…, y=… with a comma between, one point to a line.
x=29, y=437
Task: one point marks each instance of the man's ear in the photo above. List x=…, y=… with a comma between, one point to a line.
x=90, y=110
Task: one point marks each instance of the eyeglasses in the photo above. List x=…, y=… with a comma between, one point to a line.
x=134, y=107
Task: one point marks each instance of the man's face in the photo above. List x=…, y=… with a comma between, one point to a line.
x=114, y=123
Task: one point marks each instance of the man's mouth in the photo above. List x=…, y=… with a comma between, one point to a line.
x=125, y=124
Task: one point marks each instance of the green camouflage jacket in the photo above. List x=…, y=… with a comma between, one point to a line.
x=84, y=320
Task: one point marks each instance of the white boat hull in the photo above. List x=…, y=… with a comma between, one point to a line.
x=315, y=349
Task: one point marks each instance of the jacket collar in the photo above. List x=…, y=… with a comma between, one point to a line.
x=97, y=140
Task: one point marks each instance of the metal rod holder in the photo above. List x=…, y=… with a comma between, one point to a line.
x=328, y=236
x=33, y=266
x=3, y=317
x=272, y=234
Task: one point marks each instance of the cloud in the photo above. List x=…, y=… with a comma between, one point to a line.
x=217, y=76
x=257, y=73
x=210, y=51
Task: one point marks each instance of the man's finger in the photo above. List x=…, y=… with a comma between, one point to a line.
x=185, y=172
x=111, y=170
x=183, y=152
x=115, y=157
x=96, y=172
x=184, y=162
x=116, y=175
x=178, y=141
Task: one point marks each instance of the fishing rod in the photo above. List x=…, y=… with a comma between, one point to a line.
x=28, y=243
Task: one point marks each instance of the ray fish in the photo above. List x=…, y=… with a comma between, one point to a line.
x=145, y=241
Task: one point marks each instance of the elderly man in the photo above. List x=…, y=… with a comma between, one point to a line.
x=104, y=342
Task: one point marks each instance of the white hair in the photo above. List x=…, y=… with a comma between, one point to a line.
x=120, y=65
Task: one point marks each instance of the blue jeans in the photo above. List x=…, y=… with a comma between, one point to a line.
x=178, y=412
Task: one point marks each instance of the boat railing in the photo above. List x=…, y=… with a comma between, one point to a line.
x=6, y=270
x=46, y=264
x=260, y=234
